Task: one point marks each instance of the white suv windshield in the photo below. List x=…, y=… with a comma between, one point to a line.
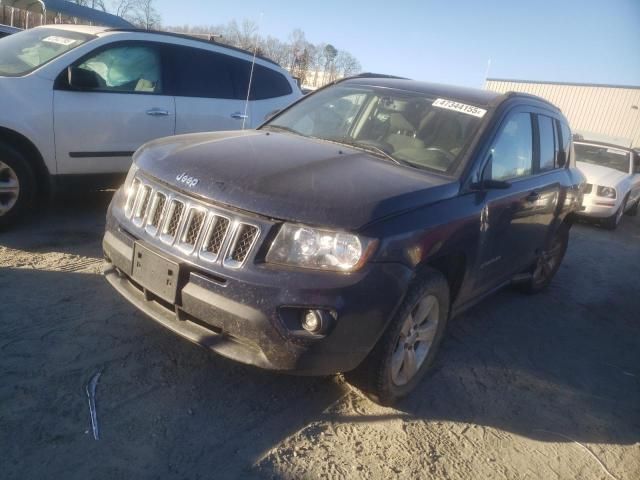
x=409, y=127
x=602, y=155
x=23, y=52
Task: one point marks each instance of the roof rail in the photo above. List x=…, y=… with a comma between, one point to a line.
x=530, y=95
x=377, y=75
x=211, y=40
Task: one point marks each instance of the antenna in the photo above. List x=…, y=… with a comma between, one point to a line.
x=253, y=63
x=486, y=73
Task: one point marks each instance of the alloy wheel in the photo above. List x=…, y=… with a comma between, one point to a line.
x=415, y=340
x=9, y=188
x=548, y=261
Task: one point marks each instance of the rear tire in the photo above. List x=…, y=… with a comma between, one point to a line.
x=17, y=186
x=409, y=345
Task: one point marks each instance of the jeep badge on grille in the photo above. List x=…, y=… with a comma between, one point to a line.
x=187, y=180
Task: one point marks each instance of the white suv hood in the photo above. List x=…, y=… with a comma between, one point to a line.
x=599, y=175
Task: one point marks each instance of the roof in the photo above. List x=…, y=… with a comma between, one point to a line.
x=88, y=29
x=473, y=96
x=8, y=29
x=601, y=143
x=191, y=38
x=572, y=84
x=69, y=9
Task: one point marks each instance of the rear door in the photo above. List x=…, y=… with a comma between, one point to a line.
x=512, y=224
x=98, y=127
x=210, y=90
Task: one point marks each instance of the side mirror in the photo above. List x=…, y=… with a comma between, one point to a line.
x=81, y=79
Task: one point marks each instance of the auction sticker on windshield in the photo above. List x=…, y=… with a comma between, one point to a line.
x=59, y=40
x=459, y=107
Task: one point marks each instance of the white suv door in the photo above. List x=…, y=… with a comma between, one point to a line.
x=111, y=103
x=207, y=93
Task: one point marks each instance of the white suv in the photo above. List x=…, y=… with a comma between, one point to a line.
x=78, y=100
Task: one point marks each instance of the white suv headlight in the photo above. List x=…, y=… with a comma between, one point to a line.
x=608, y=192
x=307, y=247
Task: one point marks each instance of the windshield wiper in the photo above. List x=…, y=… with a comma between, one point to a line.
x=282, y=128
x=374, y=149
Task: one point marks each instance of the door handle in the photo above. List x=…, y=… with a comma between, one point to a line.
x=533, y=196
x=239, y=116
x=157, y=112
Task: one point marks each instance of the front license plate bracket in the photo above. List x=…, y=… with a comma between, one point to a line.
x=157, y=274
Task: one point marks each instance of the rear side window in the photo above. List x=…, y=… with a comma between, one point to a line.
x=548, y=149
x=566, y=141
x=268, y=83
x=512, y=151
x=204, y=74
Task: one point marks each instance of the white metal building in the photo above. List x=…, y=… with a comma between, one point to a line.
x=603, y=110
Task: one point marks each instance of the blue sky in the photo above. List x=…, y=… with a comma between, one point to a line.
x=451, y=41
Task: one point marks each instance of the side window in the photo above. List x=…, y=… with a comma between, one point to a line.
x=512, y=151
x=133, y=68
x=202, y=74
x=267, y=83
x=566, y=142
x=547, y=143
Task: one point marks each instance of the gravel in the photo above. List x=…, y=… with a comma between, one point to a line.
x=544, y=386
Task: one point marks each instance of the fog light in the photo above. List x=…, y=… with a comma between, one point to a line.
x=312, y=321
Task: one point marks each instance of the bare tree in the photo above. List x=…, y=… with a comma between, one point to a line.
x=145, y=15
x=346, y=64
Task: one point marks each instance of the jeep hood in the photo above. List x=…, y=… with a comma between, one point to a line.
x=290, y=177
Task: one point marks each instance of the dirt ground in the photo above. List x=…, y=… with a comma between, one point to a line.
x=525, y=387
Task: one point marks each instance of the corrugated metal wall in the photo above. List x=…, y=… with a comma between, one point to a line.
x=601, y=109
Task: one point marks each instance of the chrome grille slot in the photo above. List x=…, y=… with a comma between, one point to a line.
x=243, y=240
x=172, y=221
x=214, y=238
x=132, y=194
x=192, y=227
x=142, y=203
x=197, y=229
x=155, y=216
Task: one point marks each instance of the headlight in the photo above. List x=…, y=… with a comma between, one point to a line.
x=606, y=192
x=308, y=247
x=130, y=189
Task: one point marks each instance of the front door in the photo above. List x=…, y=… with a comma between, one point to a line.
x=116, y=102
x=513, y=224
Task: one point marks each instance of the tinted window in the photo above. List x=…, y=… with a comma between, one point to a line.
x=512, y=152
x=132, y=68
x=199, y=73
x=268, y=83
x=566, y=141
x=547, y=143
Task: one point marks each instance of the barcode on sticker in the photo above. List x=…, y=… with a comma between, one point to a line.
x=459, y=107
x=59, y=40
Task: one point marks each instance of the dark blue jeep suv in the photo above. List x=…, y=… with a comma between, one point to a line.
x=344, y=233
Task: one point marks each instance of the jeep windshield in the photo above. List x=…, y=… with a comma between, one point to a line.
x=604, y=156
x=23, y=52
x=409, y=128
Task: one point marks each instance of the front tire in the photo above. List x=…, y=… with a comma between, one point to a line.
x=17, y=186
x=614, y=220
x=409, y=345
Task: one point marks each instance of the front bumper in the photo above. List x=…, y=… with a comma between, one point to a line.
x=239, y=314
x=598, y=207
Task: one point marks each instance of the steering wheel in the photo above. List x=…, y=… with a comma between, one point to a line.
x=449, y=156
